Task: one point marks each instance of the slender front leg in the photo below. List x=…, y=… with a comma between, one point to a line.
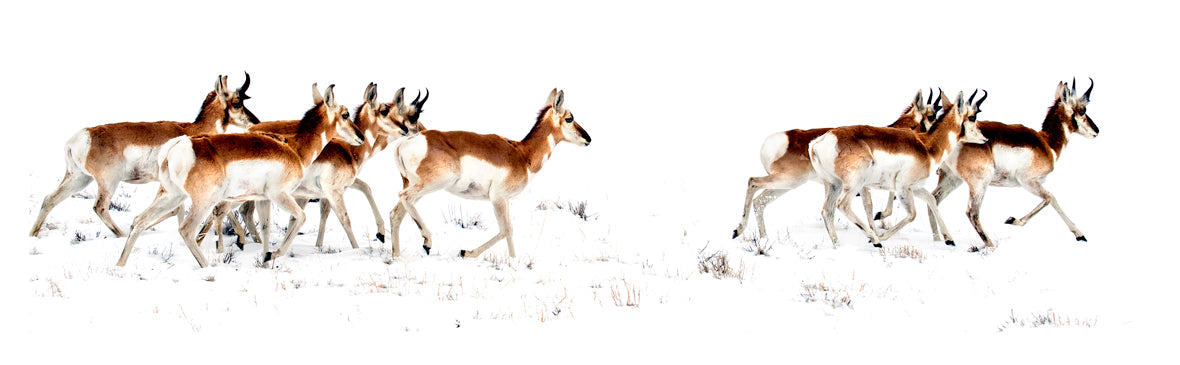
x=247, y=212
x=501, y=207
x=947, y=182
x=336, y=202
x=364, y=188
x=287, y=202
x=408, y=198
x=263, y=209
x=106, y=190
x=1047, y=198
x=932, y=207
x=976, y=192
x=190, y=225
x=845, y=205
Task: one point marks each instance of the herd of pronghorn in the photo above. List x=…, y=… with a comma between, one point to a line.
x=291, y=162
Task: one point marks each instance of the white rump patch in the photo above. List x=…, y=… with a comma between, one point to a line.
x=410, y=153
x=823, y=156
x=774, y=147
x=178, y=153
x=77, y=150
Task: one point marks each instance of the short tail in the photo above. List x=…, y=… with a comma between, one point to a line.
x=176, y=160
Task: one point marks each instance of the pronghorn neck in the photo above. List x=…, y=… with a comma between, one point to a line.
x=538, y=144
x=1053, y=130
x=212, y=118
x=311, y=138
x=375, y=138
x=909, y=119
x=942, y=137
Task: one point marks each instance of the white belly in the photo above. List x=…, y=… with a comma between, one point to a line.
x=478, y=178
x=254, y=179
x=1011, y=163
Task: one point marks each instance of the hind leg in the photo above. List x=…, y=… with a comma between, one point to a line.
x=162, y=207
x=336, y=202
x=70, y=184
x=106, y=190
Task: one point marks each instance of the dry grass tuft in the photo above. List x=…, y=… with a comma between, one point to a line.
x=1049, y=318
x=717, y=264
x=626, y=296
x=904, y=252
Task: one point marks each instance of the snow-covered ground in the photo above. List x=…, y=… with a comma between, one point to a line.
x=677, y=98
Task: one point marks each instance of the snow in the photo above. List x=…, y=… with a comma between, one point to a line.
x=677, y=98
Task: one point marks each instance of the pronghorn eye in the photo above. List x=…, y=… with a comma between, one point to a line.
x=344, y=115
x=971, y=118
x=570, y=119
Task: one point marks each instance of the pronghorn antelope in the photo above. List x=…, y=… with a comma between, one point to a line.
x=235, y=167
x=127, y=152
x=479, y=167
x=788, y=165
x=1015, y=155
x=337, y=166
x=849, y=159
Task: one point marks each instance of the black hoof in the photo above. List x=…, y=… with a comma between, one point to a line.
x=877, y=217
x=241, y=247
x=424, y=247
x=735, y=233
x=950, y=243
x=1082, y=239
x=381, y=237
x=973, y=249
x=267, y=257
x=1011, y=220
x=877, y=245
x=462, y=253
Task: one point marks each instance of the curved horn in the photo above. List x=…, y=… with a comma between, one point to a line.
x=981, y=99
x=1073, y=89
x=971, y=99
x=930, y=98
x=427, y=96
x=1086, y=96
x=415, y=102
x=245, y=86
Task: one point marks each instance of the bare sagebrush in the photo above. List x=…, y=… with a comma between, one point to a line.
x=904, y=252
x=577, y=208
x=717, y=264
x=229, y=257
x=823, y=293
x=34, y=251
x=759, y=246
x=79, y=237
x=1049, y=318
x=456, y=216
x=165, y=253
x=628, y=295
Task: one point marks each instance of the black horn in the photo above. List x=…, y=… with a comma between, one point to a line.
x=419, y=103
x=930, y=97
x=971, y=99
x=1086, y=96
x=415, y=102
x=1074, y=88
x=981, y=99
x=245, y=86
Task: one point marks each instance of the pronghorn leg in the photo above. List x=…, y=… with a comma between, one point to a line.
x=866, y=198
x=70, y=184
x=845, y=206
x=907, y=202
x=287, y=203
x=766, y=197
x=263, y=209
x=1047, y=198
x=774, y=188
x=106, y=190
x=247, y=212
x=238, y=229
x=395, y=221
x=932, y=208
x=410, y=196
x=888, y=211
x=831, y=194
x=974, y=202
x=501, y=207
x=335, y=200
x=164, y=206
x=364, y=188
x=325, y=209
x=947, y=182
x=190, y=225
x=303, y=204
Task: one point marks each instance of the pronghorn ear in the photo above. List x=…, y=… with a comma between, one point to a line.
x=560, y=100
x=399, y=97
x=946, y=103
x=371, y=94
x=315, y=94
x=918, y=99
x=329, y=95
x=959, y=101
x=217, y=86
x=552, y=98
x=1062, y=91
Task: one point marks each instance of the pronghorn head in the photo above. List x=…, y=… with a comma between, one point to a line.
x=963, y=113
x=333, y=117
x=382, y=116
x=232, y=105
x=407, y=114
x=563, y=119
x=1074, y=107
x=923, y=113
